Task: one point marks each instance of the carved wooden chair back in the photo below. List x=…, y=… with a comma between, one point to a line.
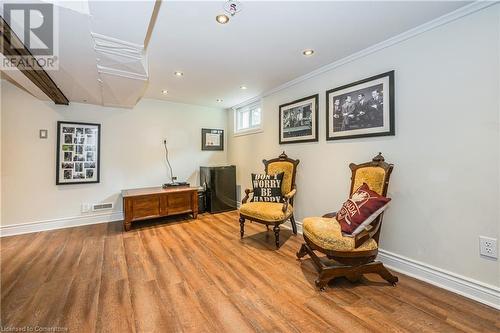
x=286, y=165
x=376, y=175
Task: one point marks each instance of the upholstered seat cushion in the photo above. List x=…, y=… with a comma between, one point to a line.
x=266, y=211
x=326, y=233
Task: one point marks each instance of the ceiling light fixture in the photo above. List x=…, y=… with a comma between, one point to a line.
x=219, y=100
x=177, y=73
x=222, y=19
x=164, y=92
x=232, y=8
x=243, y=87
x=308, y=52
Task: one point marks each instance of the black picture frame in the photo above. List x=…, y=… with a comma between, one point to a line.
x=207, y=144
x=312, y=100
x=86, y=160
x=370, y=129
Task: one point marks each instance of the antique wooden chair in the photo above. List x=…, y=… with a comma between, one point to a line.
x=349, y=256
x=273, y=213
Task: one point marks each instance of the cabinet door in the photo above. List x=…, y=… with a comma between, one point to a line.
x=179, y=203
x=164, y=205
x=146, y=207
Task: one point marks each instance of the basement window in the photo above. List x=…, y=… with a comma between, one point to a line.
x=248, y=119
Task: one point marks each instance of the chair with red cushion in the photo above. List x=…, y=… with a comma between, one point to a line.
x=352, y=255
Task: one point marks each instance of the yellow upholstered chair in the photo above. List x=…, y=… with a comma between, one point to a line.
x=273, y=213
x=350, y=256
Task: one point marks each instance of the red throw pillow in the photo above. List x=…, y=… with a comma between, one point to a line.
x=362, y=207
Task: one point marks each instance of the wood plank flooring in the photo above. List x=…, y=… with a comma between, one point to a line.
x=198, y=276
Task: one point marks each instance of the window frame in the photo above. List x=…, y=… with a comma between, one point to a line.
x=249, y=107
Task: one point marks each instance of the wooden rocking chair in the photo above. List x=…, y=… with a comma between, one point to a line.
x=350, y=256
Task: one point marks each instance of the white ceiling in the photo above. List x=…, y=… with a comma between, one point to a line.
x=261, y=47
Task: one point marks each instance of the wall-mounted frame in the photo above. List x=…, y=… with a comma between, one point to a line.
x=361, y=109
x=298, y=120
x=78, y=153
x=212, y=139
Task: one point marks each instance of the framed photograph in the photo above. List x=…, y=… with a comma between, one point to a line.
x=78, y=153
x=299, y=120
x=361, y=109
x=212, y=139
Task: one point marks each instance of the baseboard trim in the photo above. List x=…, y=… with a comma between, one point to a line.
x=458, y=284
x=476, y=290
x=68, y=222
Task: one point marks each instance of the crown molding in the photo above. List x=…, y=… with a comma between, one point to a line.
x=440, y=21
x=121, y=73
x=111, y=42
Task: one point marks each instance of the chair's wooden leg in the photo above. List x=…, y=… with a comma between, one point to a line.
x=242, y=227
x=302, y=252
x=353, y=277
x=384, y=273
x=294, y=225
x=276, y=230
x=321, y=284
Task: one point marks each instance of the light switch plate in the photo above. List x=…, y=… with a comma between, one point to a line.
x=44, y=134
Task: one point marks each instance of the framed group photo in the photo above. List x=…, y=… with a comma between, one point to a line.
x=78, y=153
x=361, y=109
x=298, y=120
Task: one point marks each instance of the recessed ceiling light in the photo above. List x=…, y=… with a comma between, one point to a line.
x=243, y=87
x=164, y=92
x=177, y=73
x=219, y=100
x=308, y=52
x=222, y=19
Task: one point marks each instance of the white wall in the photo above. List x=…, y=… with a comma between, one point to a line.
x=445, y=185
x=131, y=152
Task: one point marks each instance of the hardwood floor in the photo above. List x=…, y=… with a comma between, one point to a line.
x=198, y=276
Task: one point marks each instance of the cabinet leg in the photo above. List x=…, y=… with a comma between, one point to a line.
x=127, y=226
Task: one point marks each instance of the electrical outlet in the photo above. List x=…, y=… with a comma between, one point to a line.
x=488, y=247
x=85, y=207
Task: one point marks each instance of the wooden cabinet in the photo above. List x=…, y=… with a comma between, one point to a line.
x=146, y=203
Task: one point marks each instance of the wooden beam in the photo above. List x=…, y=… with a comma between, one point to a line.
x=12, y=47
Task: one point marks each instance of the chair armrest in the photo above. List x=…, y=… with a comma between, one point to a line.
x=247, y=195
x=330, y=215
x=288, y=196
x=366, y=234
